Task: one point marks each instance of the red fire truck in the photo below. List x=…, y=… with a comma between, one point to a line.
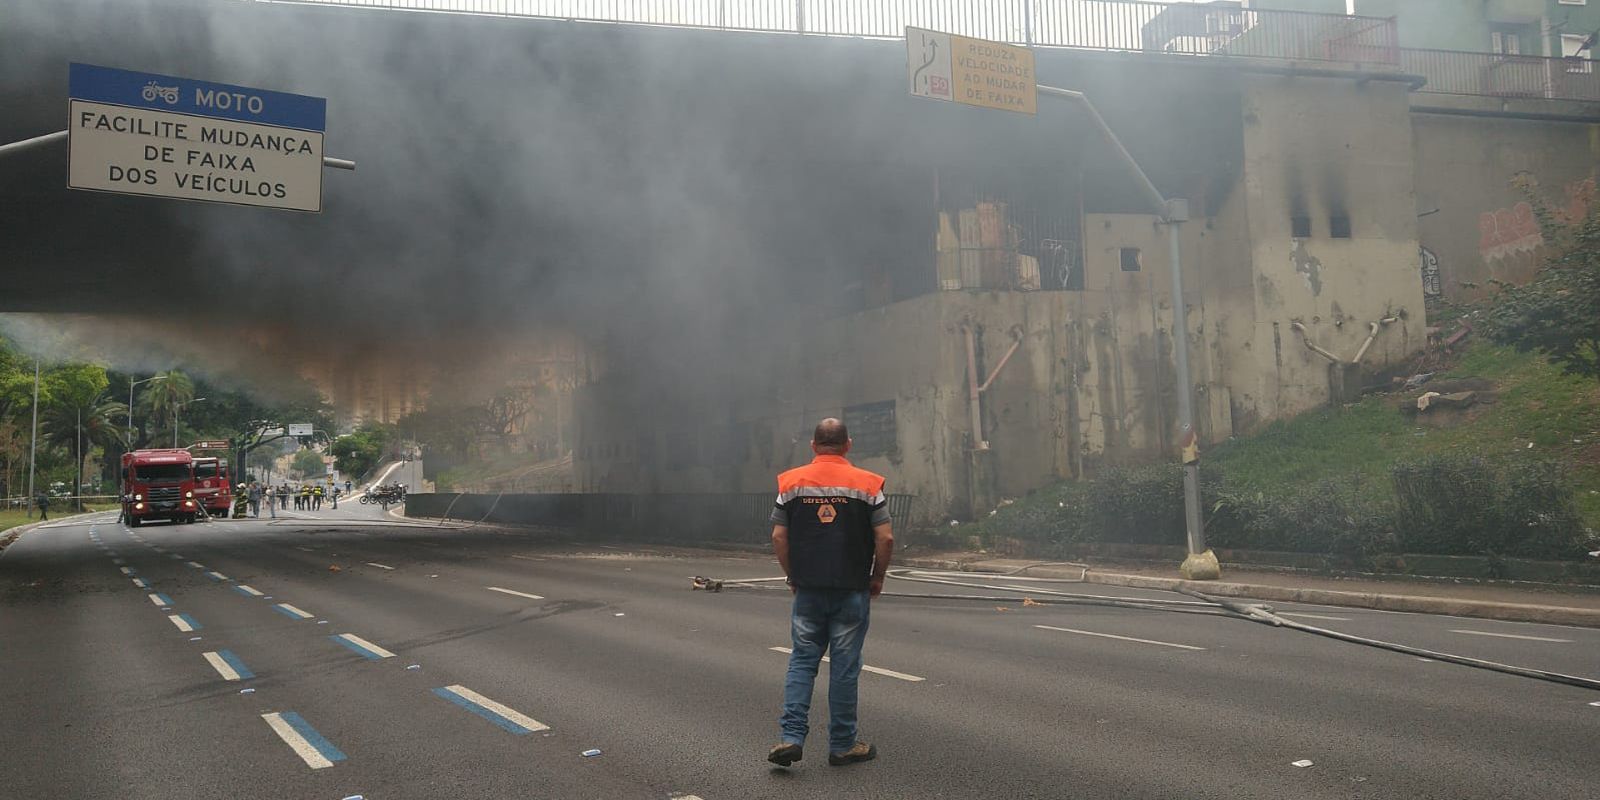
x=158, y=484
x=213, y=488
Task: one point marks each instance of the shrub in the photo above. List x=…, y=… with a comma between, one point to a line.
x=1135, y=505
x=1329, y=517
x=1471, y=505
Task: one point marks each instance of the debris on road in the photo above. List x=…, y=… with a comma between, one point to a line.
x=414, y=666
x=708, y=584
x=335, y=568
x=590, y=753
x=247, y=691
x=1304, y=762
x=1028, y=601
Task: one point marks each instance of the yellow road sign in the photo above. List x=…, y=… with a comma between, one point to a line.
x=977, y=72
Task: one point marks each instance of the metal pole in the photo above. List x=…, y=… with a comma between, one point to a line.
x=77, y=442
x=28, y=144
x=1180, y=347
x=33, y=449
x=1199, y=564
x=50, y=138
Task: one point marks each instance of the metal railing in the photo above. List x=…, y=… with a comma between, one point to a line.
x=1509, y=76
x=1123, y=25
x=1192, y=29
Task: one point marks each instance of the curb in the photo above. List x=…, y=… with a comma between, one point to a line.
x=1483, y=609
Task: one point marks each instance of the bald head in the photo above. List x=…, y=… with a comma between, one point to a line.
x=830, y=438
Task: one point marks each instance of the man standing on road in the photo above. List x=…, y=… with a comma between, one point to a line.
x=43, y=502
x=831, y=532
x=255, y=499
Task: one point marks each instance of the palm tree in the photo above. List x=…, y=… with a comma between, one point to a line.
x=78, y=429
x=164, y=399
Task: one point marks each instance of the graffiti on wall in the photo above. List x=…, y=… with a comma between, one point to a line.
x=1507, y=232
x=1431, y=286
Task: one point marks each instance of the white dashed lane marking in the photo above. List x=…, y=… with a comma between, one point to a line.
x=513, y=592
x=379, y=566
x=1514, y=636
x=310, y=746
x=1119, y=638
x=864, y=668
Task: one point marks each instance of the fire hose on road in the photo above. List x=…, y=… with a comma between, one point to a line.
x=1200, y=604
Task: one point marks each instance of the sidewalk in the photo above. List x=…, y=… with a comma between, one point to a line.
x=1488, y=600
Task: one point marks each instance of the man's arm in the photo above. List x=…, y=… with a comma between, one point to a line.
x=780, y=545
x=883, y=550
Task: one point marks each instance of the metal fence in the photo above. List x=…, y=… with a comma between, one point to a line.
x=1497, y=75
x=1126, y=25
x=1194, y=29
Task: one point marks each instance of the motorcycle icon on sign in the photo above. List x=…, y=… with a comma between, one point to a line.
x=152, y=90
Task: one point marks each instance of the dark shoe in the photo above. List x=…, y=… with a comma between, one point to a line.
x=861, y=752
x=785, y=754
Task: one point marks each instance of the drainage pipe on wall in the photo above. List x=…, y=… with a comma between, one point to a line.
x=1372, y=334
x=975, y=390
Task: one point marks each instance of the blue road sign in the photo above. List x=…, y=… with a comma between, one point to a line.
x=202, y=98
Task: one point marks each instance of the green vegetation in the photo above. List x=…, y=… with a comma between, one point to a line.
x=356, y=454
x=1558, y=312
x=1557, y=413
x=1363, y=480
x=84, y=416
x=12, y=518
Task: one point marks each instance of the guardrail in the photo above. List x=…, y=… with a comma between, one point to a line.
x=1509, y=76
x=1126, y=25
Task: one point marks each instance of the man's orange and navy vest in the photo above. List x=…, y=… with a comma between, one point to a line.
x=830, y=507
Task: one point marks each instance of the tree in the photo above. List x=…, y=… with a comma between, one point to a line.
x=163, y=400
x=80, y=416
x=308, y=464
x=1558, y=312
x=357, y=453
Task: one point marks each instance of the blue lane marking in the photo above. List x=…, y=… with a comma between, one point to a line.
x=233, y=661
x=362, y=651
x=316, y=740
x=165, y=600
x=241, y=591
x=481, y=711
x=193, y=625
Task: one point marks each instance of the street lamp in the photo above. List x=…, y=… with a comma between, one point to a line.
x=176, y=410
x=130, y=404
x=1201, y=563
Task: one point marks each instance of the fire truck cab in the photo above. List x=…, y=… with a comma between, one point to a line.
x=213, y=487
x=158, y=484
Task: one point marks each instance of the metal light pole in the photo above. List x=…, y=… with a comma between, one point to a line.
x=1201, y=563
x=177, y=410
x=33, y=448
x=130, y=404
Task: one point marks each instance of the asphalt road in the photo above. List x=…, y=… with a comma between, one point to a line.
x=465, y=663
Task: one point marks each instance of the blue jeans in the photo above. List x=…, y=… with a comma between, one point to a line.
x=822, y=620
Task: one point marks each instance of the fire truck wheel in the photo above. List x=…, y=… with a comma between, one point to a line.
x=133, y=522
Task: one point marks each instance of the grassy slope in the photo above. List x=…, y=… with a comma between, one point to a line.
x=11, y=518
x=1559, y=414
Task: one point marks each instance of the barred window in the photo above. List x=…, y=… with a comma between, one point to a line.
x=872, y=429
